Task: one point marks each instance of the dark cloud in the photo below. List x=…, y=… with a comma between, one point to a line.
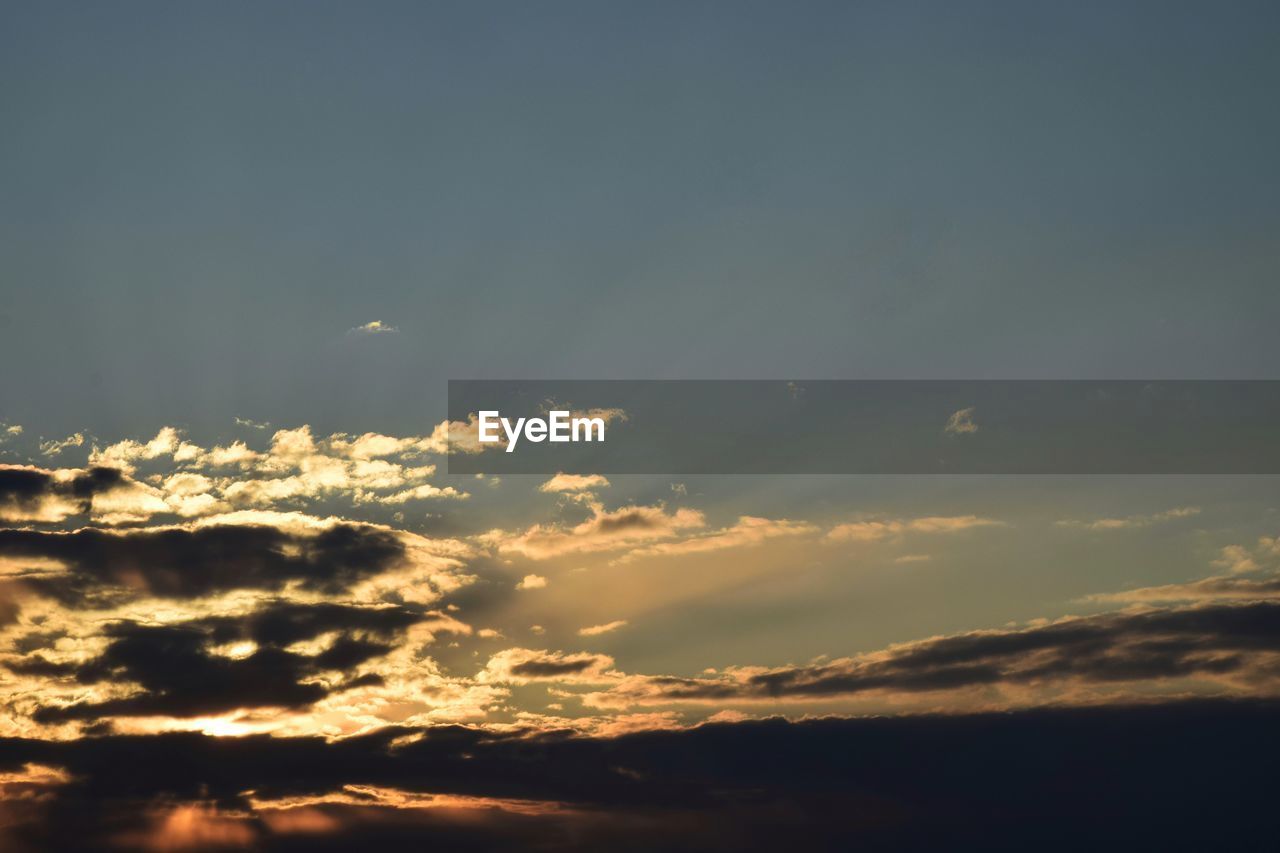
x=286, y=622
x=1116, y=647
x=26, y=491
x=1184, y=776
x=631, y=519
x=522, y=665
x=182, y=679
x=181, y=676
x=9, y=606
x=1222, y=588
x=191, y=562
x=552, y=668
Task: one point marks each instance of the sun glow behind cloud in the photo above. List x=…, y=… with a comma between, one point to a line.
x=162, y=587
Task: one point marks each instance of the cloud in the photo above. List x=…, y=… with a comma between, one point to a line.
x=297, y=468
x=1235, y=647
x=178, y=671
x=372, y=445
x=574, y=483
x=1210, y=589
x=282, y=622
x=1236, y=559
x=245, y=422
x=126, y=454
x=748, y=530
x=603, y=531
x=642, y=531
x=54, y=447
x=28, y=493
x=373, y=327
x=596, y=630
x=873, y=782
x=9, y=605
x=608, y=415
x=961, y=423
x=258, y=621
x=188, y=561
x=1239, y=559
x=463, y=437
x=111, y=496
x=426, y=491
x=1132, y=521
x=878, y=530
x=521, y=666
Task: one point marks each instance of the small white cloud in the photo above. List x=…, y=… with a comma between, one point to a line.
x=532, y=582
x=53, y=448
x=878, y=530
x=1239, y=560
x=574, y=483
x=245, y=422
x=961, y=422
x=373, y=327
x=594, y=630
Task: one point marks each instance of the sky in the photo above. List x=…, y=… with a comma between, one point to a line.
x=244, y=247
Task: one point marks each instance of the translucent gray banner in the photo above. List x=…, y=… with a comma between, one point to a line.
x=865, y=427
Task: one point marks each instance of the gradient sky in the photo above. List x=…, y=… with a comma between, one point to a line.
x=243, y=246
x=199, y=201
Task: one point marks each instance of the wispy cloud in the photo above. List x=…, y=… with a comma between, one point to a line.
x=373, y=327
x=596, y=630
x=961, y=422
x=605, y=530
x=748, y=530
x=1262, y=561
x=1229, y=648
x=877, y=530
x=55, y=446
x=1131, y=521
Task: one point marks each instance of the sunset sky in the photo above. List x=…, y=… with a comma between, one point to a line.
x=243, y=248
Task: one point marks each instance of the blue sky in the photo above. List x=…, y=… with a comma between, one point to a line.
x=244, y=246
x=200, y=202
